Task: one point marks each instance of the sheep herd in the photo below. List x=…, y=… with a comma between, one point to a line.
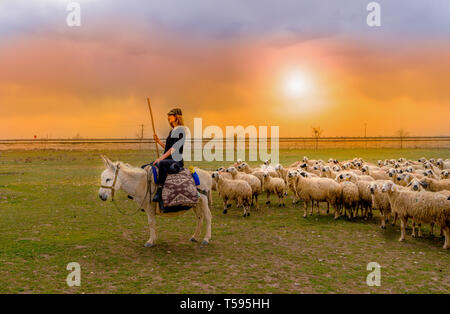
x=398, y=189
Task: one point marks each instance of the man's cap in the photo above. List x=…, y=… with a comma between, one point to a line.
x=175, y=111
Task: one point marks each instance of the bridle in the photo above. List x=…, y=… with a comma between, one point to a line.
x=113, y=190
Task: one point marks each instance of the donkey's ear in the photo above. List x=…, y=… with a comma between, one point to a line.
x=108, y=163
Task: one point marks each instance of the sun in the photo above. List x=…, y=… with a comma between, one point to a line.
x=296, y=85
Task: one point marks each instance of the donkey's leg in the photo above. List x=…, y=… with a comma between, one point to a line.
x=151, y=215
x=203, y=205
x=199, y=215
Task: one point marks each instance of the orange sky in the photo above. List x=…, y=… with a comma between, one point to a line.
x=68, y=82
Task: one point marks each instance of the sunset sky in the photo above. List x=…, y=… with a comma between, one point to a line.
x=295, y=64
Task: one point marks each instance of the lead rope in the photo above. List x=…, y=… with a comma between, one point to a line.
x=139, y=208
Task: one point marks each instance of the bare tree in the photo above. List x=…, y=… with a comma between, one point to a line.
x=317, y=132
x=402, y=133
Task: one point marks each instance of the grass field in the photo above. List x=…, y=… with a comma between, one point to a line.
x=50, y=215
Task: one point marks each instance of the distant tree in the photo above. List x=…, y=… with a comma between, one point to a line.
x=77, y=137
x=317, y=132
x=402, y=134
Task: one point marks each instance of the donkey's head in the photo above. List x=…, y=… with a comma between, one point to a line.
x=109, y=179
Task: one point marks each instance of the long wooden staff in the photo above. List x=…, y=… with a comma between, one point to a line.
x=153, y=125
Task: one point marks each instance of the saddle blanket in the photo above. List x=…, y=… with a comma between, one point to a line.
x=179, y=192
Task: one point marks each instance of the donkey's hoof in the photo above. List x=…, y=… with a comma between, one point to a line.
x=204, y=243
x=148, y=244
x=225, y=211
x=193, y=239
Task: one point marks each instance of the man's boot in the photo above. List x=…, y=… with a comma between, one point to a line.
x=158, y=195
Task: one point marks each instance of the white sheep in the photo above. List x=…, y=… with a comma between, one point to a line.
x=315, y=189
x=275, y=186
x=435, y=185
x=380, y=201
x=349, y=198
x=291, y=180
x=427, y=207
x=253, y=181
x=238, y=190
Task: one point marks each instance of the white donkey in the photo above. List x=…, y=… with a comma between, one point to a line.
x=133, y=181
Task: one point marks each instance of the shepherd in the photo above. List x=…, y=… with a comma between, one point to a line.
x=171, y=160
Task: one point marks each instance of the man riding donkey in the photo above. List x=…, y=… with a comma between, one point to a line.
x=183, y=189
x=172, y=159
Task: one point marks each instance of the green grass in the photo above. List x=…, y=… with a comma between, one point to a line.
x=50, y=215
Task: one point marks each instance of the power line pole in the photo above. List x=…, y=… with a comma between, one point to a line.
x=365, y=133
x=142, y=136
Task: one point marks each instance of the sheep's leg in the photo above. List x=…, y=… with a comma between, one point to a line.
x=328, y=207
x=225, y=205
x=305, y=203
x=413, y=234
x=419, y=225
x=403, y=223
x=447, y=235
x=337, y=211
x=383, y=219
x=268, y=198
x=395, y=219
x=256, y=201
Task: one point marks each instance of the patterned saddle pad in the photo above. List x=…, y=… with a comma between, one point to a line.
x=179, y=192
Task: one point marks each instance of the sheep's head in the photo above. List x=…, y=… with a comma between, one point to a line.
x=409, y=169
x=365, y=169
x=415, y=185
x=400, y=178
x=221, y=169
x=266, y=175
x=379, y=163
x=326, y=169
x=304, y=174
x=336, y=168
x=303, y=165
x=278, y=167
x=444, y=174
x=267, y=162
x=432, y=160
x=242, y=166
x=231, y=170
x=215, y=175
x=388, y=187
x=425, y=182
x=336, y=161
x=292, y=173
x=342, y=177
x=423, y=159
x=330, y=160
x=305, y=159
x=372, y=187
x=428, y=173
x=391, y=172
